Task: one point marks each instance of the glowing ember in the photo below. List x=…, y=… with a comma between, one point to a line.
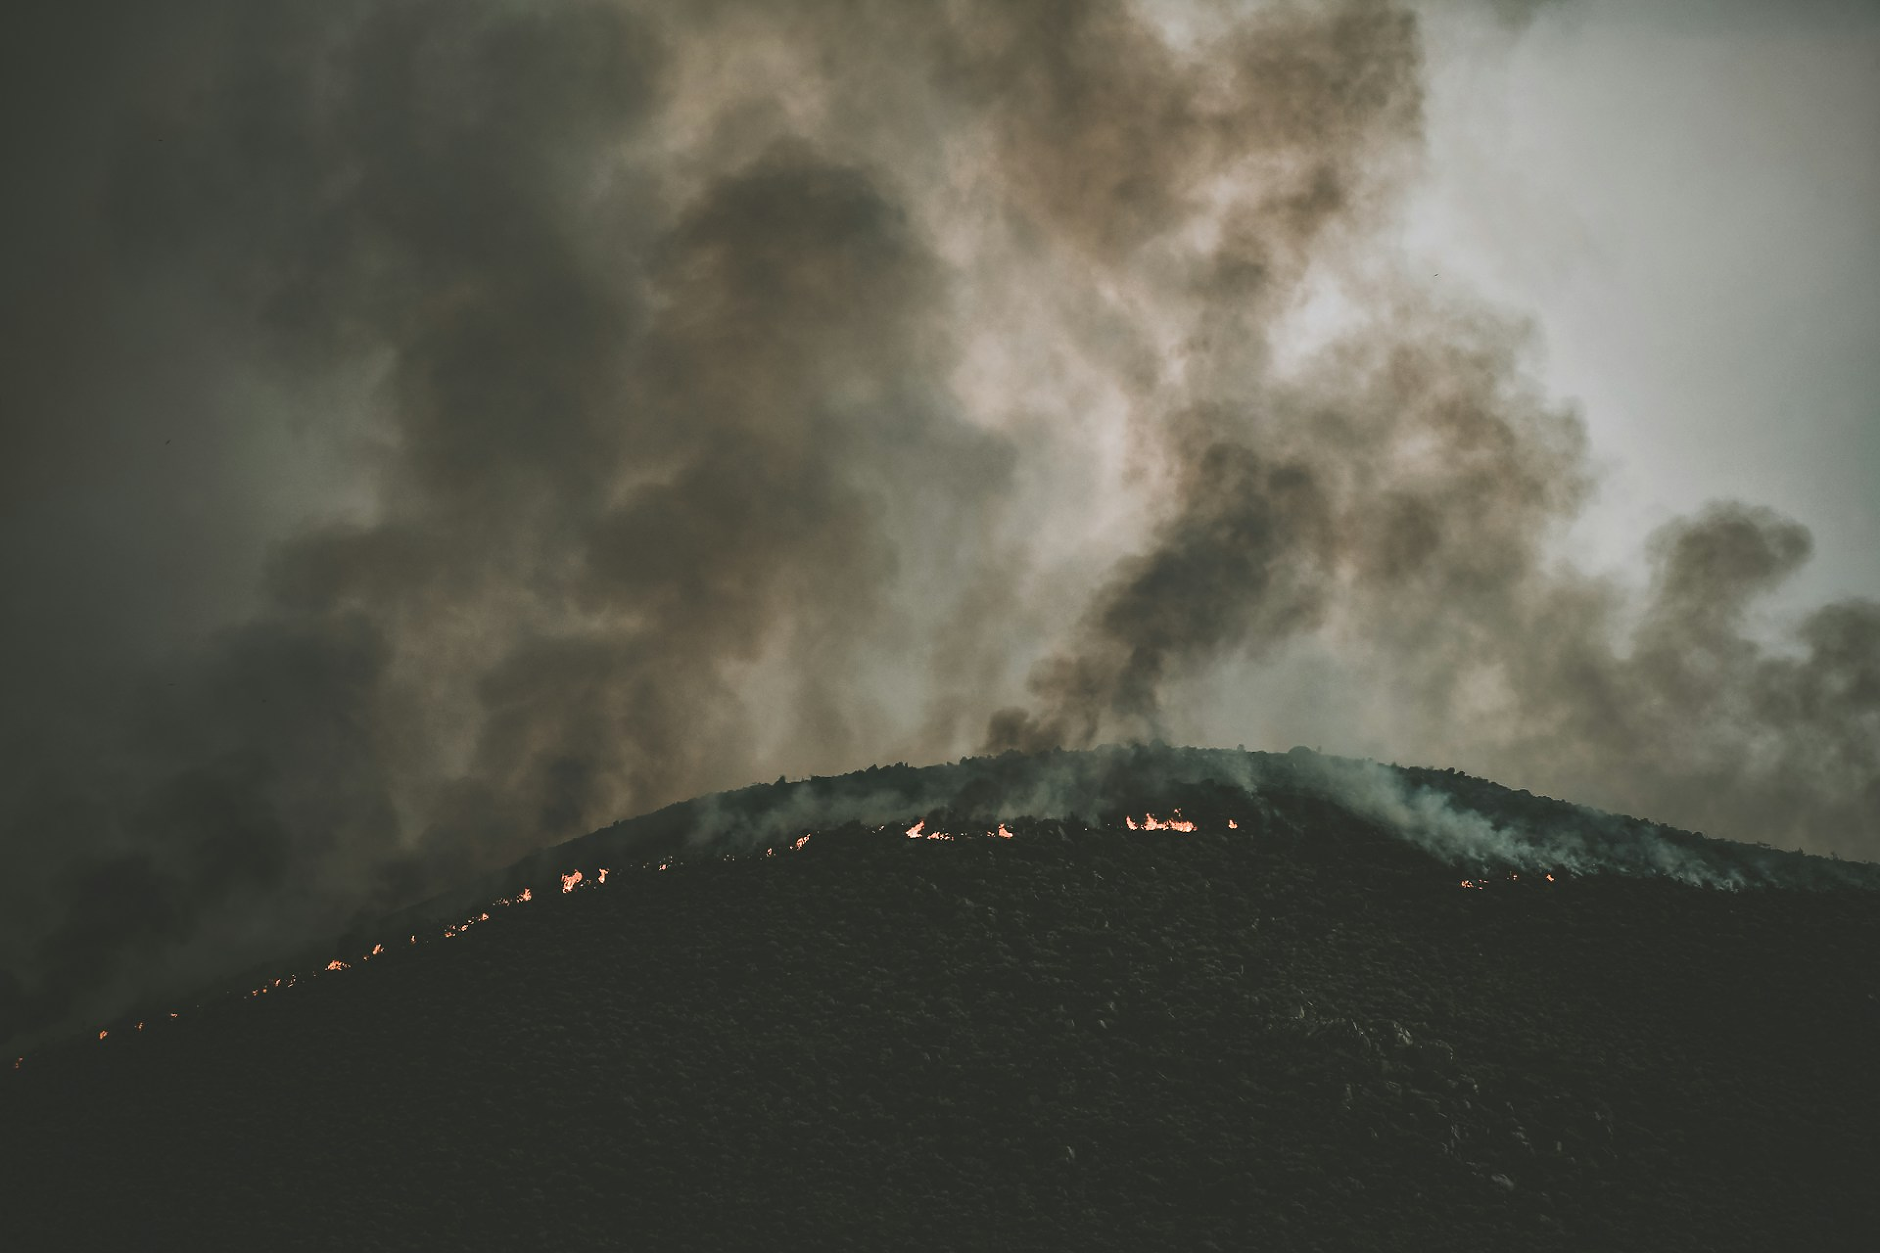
x=17, y=1061
x=600, y=875
x=1232, y=825
x=800, y=843
x=376, y=950
x=913, y=832
x=172, y=1015
x=1003, y=833
x=103, y=1034
x=1550, y=878
x=569, y=880
x=526, y=895
x=664, y=864
x=335, y=964
x=1471, y=883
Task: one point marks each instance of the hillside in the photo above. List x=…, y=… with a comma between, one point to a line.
x=1300, y=1030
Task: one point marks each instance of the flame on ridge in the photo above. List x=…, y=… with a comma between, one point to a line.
x=1152, y=823
x=1513, y=876
x=575, y=878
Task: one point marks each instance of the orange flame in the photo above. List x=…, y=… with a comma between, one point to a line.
x=800, y=843
x=1131, y=822
x=1232, y=825
x=102, y=1034
x=601, y=874
x=376, y=950
x=526, y=895
x=1003, y=833
x=568, y=881
x=1152, y=823
x=335, y=964
x=913, y=832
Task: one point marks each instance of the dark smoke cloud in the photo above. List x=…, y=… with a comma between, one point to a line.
x=435, y=429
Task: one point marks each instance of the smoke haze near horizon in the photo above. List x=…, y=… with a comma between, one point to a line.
x=438, y=429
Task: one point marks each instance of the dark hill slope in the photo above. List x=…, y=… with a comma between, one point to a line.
x=1300, y=1033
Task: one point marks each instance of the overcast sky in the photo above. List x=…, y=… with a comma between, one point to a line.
x=1686, y=196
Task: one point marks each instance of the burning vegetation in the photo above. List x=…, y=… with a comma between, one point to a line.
x=579, y=880
x=1277, y=1002
x=1481, y=835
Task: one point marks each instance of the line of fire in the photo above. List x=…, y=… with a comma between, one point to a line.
x=581, y=880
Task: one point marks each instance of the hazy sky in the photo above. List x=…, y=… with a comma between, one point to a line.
x=1686, y=197
x=437, y=428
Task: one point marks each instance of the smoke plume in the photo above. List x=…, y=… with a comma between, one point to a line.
x=435, y=429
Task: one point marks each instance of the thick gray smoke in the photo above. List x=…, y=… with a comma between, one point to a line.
x=438, y=427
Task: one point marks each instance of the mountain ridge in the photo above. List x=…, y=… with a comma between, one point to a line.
x=1301, y=1029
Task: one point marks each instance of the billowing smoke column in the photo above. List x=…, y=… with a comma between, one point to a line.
x=439, y=428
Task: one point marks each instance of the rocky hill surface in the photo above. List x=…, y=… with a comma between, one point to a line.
x=1062, y=1015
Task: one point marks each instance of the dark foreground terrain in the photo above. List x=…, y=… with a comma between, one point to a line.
x=1303, y=1032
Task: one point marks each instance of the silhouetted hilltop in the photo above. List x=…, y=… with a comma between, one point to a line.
x=1471, y=823
x=1134, y=998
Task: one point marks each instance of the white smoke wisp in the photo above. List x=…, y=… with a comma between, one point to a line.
x=1509, y=831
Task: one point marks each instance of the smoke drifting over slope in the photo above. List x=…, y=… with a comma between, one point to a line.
x=701, y=391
